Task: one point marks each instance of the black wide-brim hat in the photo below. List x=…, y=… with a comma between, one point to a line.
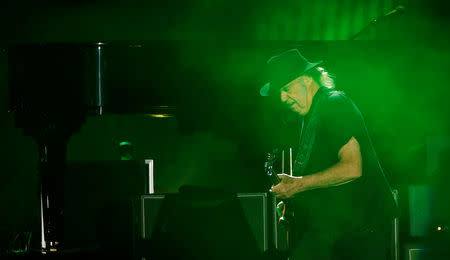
x=284, y=68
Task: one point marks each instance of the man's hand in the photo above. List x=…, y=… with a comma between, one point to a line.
x=288, y=186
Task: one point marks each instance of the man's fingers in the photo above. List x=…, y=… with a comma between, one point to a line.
x=271, y=188
x=276, y=192
x=277, y=188
x=279, y=191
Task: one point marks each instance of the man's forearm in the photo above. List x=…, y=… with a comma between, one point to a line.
x=340, y=173
x=348, y=168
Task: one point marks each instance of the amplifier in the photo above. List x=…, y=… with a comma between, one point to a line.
x=427, y=253
x=246, y=222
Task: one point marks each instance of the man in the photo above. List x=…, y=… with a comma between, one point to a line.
x=343, y=205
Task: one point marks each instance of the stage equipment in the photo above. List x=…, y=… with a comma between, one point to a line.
x=414, y=252
x=239, y=226
x=399, y=10
x=54, y=87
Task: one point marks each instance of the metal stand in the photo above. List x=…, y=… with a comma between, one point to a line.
x=395, y=231
x=52, y=155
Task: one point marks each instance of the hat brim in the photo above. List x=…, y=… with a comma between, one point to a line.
x=266, y=89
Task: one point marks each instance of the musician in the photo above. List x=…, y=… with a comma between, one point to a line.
x=342, y=203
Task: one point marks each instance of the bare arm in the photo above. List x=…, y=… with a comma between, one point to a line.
x=348, y=168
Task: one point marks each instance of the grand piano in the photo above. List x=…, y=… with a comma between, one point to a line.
x=54, y=87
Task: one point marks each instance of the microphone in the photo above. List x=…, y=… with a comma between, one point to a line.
x=399, y=10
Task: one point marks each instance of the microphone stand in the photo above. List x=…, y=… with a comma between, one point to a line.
x=398, y=10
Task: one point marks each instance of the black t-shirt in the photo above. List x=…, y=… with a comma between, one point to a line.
x=364, y=202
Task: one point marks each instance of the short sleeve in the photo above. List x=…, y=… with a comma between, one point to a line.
x=340, y=121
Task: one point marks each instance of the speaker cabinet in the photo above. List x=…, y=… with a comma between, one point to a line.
x=242, y=223
x=417, y=253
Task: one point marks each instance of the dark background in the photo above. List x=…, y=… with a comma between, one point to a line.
x=397, y=73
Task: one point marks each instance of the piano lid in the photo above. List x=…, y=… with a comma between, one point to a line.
x=94, y=77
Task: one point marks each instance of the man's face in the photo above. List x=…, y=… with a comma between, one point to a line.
x=294, y=96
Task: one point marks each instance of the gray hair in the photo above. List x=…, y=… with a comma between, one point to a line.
x=322, y=77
